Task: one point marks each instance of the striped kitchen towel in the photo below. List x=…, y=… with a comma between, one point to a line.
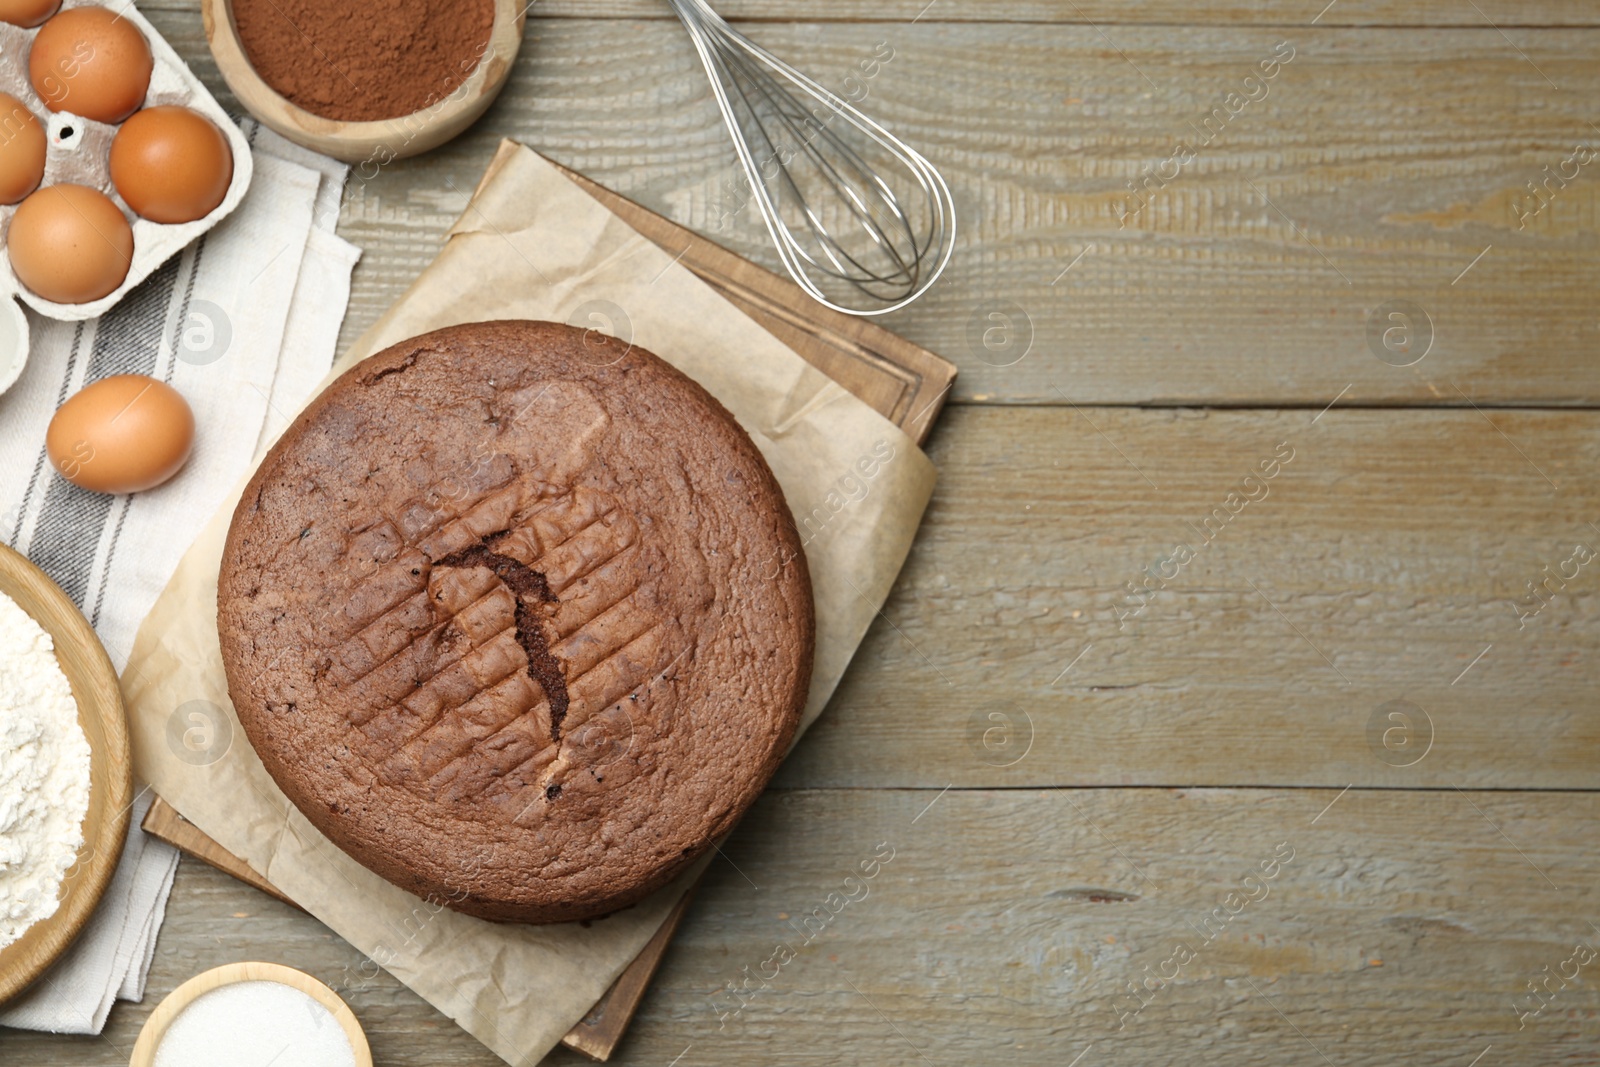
x=243, y=323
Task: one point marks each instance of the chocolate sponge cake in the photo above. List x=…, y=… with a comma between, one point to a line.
x=518, y=617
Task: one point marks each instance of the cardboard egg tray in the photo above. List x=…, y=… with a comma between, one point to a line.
x=79, y=150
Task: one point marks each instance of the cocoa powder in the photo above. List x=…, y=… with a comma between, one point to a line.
x=357, y=62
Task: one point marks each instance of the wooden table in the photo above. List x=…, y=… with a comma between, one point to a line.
x=1322, y=791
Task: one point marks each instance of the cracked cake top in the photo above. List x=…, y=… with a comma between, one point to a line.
x=518, y=617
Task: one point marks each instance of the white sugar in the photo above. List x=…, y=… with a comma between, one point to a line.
x=253, y=1024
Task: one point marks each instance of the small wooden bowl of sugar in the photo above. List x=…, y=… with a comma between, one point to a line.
x=250, y=1015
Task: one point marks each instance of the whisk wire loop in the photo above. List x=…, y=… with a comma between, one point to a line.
x=867, y=243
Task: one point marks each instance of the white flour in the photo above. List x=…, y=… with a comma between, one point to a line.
x=44, y=774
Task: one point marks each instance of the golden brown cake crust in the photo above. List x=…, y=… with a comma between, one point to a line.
x=517, y=617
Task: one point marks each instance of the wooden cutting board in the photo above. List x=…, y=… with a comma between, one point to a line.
x=906, y=383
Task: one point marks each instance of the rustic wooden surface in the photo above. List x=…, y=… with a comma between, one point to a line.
x=1392, y=152
x=1120, y=798
x=164, y=822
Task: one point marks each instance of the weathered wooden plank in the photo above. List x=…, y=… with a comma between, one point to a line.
x=1503, y=13
x=1250, y=278
x=1007, y=925
x=163, y=822
x=1386, y=556
x=1397, y=927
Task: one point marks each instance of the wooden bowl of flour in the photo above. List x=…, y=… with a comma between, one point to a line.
x=368, y=143
x=105, y=826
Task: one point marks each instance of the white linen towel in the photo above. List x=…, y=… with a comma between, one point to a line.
x=243, y=323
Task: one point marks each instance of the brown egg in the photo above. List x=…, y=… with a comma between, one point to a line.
x=70, y=244
x=27, y=13
x=171, y=164
x=121, y=434
x=90, y=62
x=22, y=146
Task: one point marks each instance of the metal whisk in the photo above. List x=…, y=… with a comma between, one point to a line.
x=885, y=229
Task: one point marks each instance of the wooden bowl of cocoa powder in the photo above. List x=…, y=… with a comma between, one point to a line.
x=370, y=82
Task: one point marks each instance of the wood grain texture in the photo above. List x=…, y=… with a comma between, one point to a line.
x=1382, y=560
x=1007, y=924
x=164, y=822
x=1248, y=279
x=1375, y=13
x=599, y=1034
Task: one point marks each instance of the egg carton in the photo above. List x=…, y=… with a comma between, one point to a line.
x=78, y=151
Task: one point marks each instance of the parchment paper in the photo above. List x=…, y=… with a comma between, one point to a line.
x=533, y=245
